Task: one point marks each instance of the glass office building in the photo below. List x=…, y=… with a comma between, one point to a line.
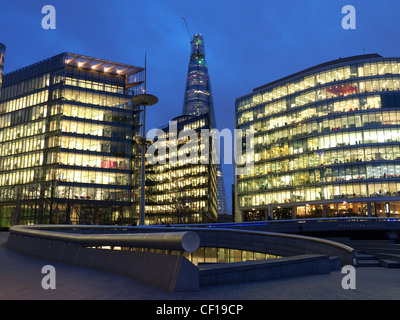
x=2, y=53
x=181, y=184
x=67, y=142
x=326, y=142
x=199, y=100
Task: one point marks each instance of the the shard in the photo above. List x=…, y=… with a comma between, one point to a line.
x=2, y=53
x=198, y=100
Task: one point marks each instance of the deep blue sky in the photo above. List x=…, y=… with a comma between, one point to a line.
x=248, y=42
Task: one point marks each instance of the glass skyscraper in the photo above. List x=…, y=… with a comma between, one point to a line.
x=198, y=100
x=326, y=142
x=67, y=142
x=2, y=53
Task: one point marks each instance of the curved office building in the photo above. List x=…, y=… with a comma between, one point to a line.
x=326, y=142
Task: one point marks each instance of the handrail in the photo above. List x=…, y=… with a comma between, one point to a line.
x=327, y=242
x=180, y=241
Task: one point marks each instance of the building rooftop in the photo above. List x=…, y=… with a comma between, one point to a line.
x=112, y=67
x=89, y=63
x=320, y=66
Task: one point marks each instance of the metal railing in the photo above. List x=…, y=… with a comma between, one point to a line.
x=179, y=241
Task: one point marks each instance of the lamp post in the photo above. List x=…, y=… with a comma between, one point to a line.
x=143, y=100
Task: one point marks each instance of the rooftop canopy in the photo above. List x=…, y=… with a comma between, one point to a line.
x=81, y=61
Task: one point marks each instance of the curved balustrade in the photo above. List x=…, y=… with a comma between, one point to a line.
x=179, y=241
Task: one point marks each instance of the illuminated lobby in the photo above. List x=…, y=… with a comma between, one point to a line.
x=326, y=142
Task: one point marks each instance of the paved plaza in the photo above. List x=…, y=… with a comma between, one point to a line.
x=21, y=277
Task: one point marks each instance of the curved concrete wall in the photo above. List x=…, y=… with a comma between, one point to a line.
x=267, y=242
x=172, y=272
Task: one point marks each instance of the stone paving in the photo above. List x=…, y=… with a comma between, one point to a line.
x=20, y=279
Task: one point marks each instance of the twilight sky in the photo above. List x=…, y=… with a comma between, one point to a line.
x=248, y=42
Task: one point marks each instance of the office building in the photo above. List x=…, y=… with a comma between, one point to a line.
x=2, y=54
x=326, y=142
x=67, y=142
x=181, y=184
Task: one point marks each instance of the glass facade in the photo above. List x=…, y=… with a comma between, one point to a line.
x=199, y=100
x=2, y=54
x=326, y=142
x=182, y=184
x=67, y=150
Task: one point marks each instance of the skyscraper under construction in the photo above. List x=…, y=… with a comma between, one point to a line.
x=198, y=100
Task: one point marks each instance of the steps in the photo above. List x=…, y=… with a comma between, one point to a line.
x=387, y=263
x=367, y=260
x=375, y=253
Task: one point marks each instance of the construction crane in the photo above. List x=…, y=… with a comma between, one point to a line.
x=187, y=28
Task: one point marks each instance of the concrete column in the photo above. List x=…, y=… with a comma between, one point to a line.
x=294, y=213
x=369, y=209
x=387, y=209
x=323, y=211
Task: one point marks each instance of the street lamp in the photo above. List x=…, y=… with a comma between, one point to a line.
x=143, y=100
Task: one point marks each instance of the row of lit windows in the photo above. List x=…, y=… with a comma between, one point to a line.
x=328, y=157
x=179, y=196
x=93, y=161
x=66, y=192
x=24, y=102
x=169, y=186
x=23, y=87
x=99, y=99
x=92, y=113
x=325, y=192
x=331, y=140
x=195, y=125
x=23, y=145
x=23, y=161
x=319, y=78
x=91, y=144
x=329, y=92
x=23, y=116
x=172, y=208
x=93, y=85
x=95, y=129
x=18, y=177
x=180, y=173
x=90, y=193
x=22, y=131
x=97, y=177
x=347, y=121
x=330, y=174
x=314, y=111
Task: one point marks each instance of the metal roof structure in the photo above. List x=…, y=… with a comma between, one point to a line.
x=91, y=63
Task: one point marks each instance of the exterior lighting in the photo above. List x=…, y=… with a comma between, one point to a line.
x=144, y=100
